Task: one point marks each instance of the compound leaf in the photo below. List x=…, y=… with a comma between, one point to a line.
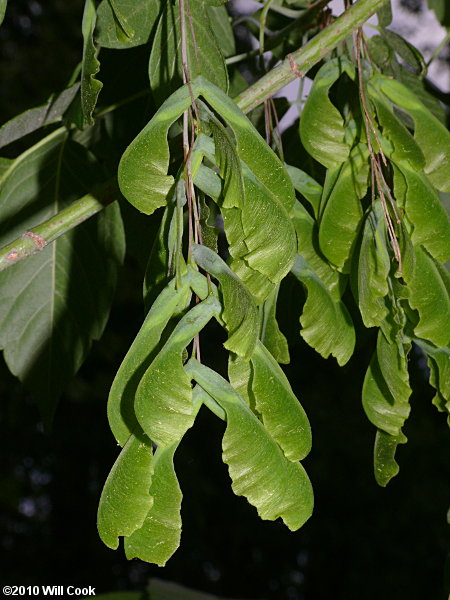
x=258, y=468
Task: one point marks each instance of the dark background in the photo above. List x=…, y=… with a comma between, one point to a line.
x=362, y=541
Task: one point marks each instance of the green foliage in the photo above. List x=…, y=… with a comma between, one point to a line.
x=367, y=237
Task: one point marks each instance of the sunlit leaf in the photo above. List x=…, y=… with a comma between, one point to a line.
x=90, y=66
x=240, y=376
x=385, y=465
x=281, y=412
x=308, y=248
x=425, y=212
x=54, y=303
x=326, y=323
x=431, y=135
x=342, y=214
x=386, y=390
x=405, y=146
x=430, y=297
x=142, y=174
x=239, y=310
x=258, y=468
x=125, y=23
x=306, y=186
x=321, y=124
x=121, y=416
x=158, y=537
x=373, y=269
x=126, y=498
x=164, y=396
x=271, y=335
x=439, y=364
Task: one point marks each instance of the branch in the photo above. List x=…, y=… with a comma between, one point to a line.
x=308, y=55
x=297, y=63
x=36, y=239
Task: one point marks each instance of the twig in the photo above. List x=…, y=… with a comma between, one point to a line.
x=39, y=237
x=306, y=57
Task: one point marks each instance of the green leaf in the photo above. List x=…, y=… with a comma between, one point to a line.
x=326, y=323
x=252, y=201
x=385, y=465
x=270, y=335
x=125, y=23
x=126, y=499
x=409, y=53
x=3, y=4
x=431, y=223
x=5, y=164
x=321, y=125
x=405, y=146
x=431, y=135
x=374, y=265
x=386, y=391
x=166, y=259
x=384, y=15
x=221, y=25
x=429, y=296
x=240, y=376
x=142, y=173
x=239, y=310
x=204, y=57
x=308, y=248
x=392, y=360
x=164, y=396
x=54, y=303
x=38, y=117
x=159, y=536
x=342, y=214
x=121, y=416
x=281, y=412
x=306, y=186
x=439, y=364
x=258, y=468
x=90, y=66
